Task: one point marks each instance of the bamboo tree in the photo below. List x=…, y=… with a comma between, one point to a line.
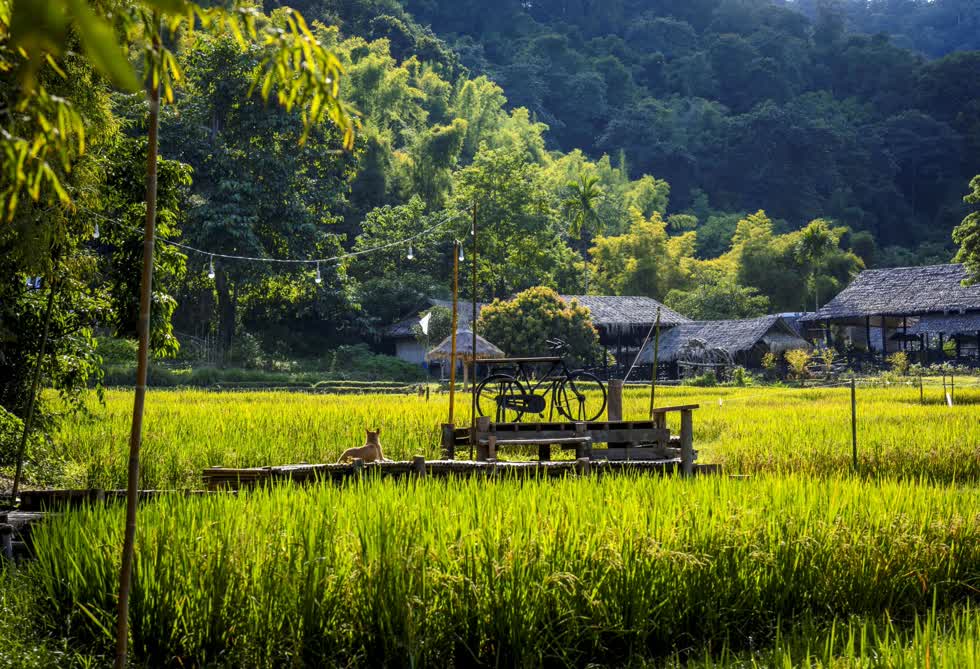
x=142, y=360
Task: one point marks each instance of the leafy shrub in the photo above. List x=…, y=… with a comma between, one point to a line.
x=523, y=326
x=740, y=377
x=116, y=351
x=706, y=380
x=899, y=363
x=798, y=359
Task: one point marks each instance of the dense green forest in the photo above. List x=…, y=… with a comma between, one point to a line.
x=730, y=157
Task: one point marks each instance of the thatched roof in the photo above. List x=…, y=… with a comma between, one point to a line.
x=952, y=324
x=405, y=328
x=903, y=291
x=608, y=311
x=734, y=337
x=625, y=311
x=464, y=348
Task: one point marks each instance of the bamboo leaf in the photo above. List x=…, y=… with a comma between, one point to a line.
x=99, y=42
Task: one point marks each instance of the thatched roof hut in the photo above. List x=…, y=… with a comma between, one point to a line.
x=614, y=313
x=745, y=340
x=903, y=292
x=464, y=348
x=885, y=310
x=464, y=351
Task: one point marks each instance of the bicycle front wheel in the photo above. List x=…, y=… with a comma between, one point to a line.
x=581, y=397
x=492, y=395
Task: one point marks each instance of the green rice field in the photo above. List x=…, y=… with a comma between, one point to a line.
x=801, y=563
x=751, y=430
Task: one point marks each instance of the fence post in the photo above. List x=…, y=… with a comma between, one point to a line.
x=7, y=541
x=687, y=442
x=418, y=466
x=854, y=433
x=922, y=399
x=952, y=390
x=615, y=404
x=449, y=441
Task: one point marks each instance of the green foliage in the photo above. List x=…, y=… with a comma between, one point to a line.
x=440, y=326
x=523, y=326
x=967, y=235
x=797, y=360
x=899, y=363
x=714, y=295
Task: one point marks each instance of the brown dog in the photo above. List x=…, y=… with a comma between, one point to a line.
x=369, y=452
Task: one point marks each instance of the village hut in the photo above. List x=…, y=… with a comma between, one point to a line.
x=902, y=309
x=624, y=321
x=743, y=341
x=464, y=351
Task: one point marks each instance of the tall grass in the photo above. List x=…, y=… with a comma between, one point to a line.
x=436, y=573
x=752, y=430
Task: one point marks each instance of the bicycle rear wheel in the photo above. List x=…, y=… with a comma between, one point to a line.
x=581, y=397
x=491, y=397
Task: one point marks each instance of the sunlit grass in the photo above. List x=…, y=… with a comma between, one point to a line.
x=434, y=573
x=753, y=430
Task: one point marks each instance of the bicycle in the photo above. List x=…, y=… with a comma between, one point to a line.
x=577, y=395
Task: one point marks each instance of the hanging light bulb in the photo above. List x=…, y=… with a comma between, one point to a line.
x=411, y=254
x=211, y=269
x=319, y=279
x=461, y=253
x=96, y=234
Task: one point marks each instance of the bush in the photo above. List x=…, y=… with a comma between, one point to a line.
x=115, y=351
x=899, y=363
x=798, y=359
x=706, y=380
x=739, y=376
x=524, y=325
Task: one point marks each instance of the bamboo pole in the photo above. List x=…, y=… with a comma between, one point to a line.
x=146, y=293
x=452, y=356
x=473, y=332
x=854, y=433
x=656, y=362
x=32, y=398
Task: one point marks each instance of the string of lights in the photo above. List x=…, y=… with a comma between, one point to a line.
x=211, y=255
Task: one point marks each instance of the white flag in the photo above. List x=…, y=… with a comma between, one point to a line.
x=424, y=323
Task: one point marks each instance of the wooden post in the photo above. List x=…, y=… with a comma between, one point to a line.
x=452, y=356
x=614, y=409
x=952, y=390
x=492, y=447
x=582, y=449
x=854, y=431
x=418, y=466
x=922, y=399
x=449, y=441
x=7, y=541
x=656, y=362
x=482, y=428
x=583, y=466
x=473, y=325
x=884, y=340
x=687, y=442
x=867, y=332
x=544, y=453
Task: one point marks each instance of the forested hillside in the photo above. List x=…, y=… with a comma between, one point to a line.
x=748, y=103
x=728, y=157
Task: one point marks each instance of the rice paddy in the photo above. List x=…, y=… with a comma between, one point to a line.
x=748, y=430
x=803, y=563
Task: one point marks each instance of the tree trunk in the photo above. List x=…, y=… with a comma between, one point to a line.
x=227, y=307
x=146, y=293
x=32, y=398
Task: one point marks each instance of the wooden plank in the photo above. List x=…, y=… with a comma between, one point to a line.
x=631, y=454
x=533, y=442
x=598, y=436
x=680, y=407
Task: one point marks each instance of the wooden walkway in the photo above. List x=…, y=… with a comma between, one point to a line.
x=222, y=478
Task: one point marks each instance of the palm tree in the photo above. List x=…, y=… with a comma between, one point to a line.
x=583, y=218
